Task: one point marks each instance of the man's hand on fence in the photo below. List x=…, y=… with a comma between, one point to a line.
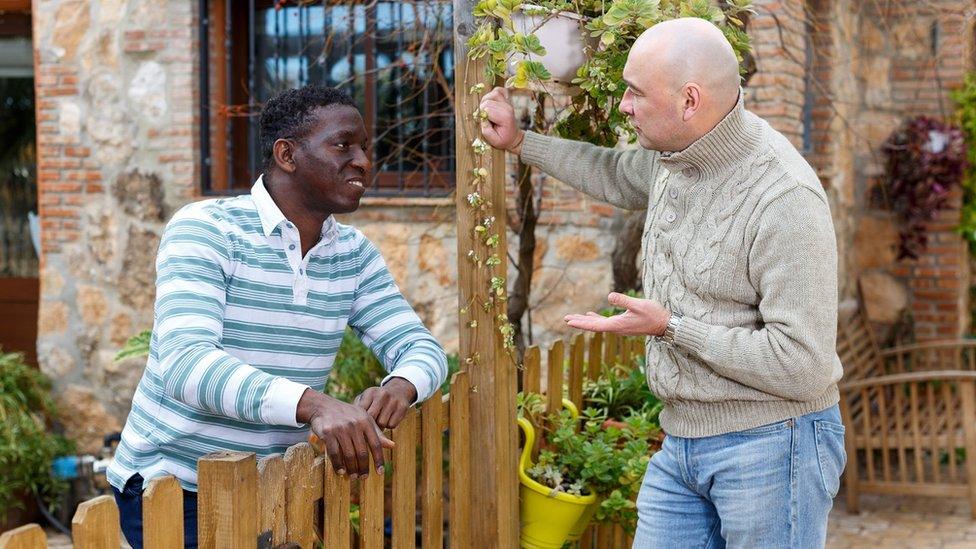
x=501, y=130
x=349, y=433
x=642, y=317
x=388, y=404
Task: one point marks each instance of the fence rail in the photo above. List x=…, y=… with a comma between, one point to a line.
x=296, y=498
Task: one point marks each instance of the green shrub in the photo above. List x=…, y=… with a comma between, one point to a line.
x=27, y=447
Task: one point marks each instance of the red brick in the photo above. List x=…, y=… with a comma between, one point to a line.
x=77, y=151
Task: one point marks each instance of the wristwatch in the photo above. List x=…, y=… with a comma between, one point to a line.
x=673, y=324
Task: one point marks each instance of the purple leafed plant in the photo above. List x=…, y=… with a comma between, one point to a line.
x=926, y=158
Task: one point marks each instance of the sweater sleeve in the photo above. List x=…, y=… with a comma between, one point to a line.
x=793, y=265
x=617, y=176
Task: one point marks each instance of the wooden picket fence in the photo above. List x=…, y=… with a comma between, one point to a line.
x=297, y=499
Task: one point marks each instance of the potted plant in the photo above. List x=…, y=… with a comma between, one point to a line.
x=584, y=471
x=621, y=392
x=27, y=447
x=514, y=39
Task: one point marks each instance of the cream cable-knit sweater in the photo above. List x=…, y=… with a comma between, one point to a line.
x=739, y=240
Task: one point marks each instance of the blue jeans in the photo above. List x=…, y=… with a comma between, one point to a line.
x=129, y=501
x=772, y=486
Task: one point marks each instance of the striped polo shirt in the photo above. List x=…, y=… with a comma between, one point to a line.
x=244, y=325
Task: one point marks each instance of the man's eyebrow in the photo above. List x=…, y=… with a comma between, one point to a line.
x=633, y=87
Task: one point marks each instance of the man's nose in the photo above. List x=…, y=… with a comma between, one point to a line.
x=361, y=160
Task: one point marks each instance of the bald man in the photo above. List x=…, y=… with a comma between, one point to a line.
x=740, y=280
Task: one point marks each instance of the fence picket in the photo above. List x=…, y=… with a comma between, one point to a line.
x=577, y=352
x=228, y=501
x=459, y=518
x=96, y=524
x=531, y=372
x=299, y=494
x=371, y=509
x=29, y=536
x=336, y=495
x=554, y=377
x=271, y=485
x=162, y=514
x=404, y=482
x=595, y=357
x=432, y=520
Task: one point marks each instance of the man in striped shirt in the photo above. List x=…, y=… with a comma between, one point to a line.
x=253, y=295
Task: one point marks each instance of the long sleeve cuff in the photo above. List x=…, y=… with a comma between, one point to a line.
x=691, y=335
x=418, y=376
x=534, y=148
x=281, y=402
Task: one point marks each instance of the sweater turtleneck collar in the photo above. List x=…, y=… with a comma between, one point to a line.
x=734, y=138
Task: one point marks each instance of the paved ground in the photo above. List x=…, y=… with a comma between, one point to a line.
x=884, y=522
x=888, y=521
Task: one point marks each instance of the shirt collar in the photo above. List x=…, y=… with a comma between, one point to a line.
x=268, y=211
x=271, y=216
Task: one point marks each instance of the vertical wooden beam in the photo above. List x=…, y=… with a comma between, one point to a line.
x=967, y=392
x=29, y=536
x=96, y=524
x=432, y=495
x=271, y=486
x=371, y=509
x=336, y=495
x=554, y=377
x=227, y=515
x=404, y=512
x=460, y=471
x=162, y=514
x=577, y=352
x=299, y=494
x=494, y=490
x=531, y=371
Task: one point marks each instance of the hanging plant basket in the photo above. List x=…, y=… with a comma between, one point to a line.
x=562, y=36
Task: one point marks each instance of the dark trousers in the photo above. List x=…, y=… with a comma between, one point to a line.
x=129, y=501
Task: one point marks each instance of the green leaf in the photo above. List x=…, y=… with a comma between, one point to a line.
x=135, y=346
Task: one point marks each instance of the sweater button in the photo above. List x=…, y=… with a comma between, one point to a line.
x=674, y=193
x=670, y=217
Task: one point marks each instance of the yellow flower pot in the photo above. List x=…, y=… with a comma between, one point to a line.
x=549, y=518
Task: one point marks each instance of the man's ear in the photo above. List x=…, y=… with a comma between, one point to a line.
x=693, y=101
x=283, y=151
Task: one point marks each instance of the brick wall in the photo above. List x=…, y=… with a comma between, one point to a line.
x=116, y=111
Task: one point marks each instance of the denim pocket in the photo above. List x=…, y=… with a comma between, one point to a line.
x=830, y=454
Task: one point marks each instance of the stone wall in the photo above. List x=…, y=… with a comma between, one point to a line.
x=117, y=100
x=116, y=155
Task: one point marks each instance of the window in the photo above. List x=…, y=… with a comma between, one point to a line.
x=395, y=58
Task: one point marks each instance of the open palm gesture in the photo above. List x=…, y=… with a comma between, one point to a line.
x=642, y=317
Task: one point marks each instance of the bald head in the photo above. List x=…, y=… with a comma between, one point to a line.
x=690, y=50
x=688, y=59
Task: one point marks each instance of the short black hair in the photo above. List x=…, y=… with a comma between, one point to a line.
x=288, y=114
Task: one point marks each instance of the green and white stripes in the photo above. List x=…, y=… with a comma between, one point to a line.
x=244, y=325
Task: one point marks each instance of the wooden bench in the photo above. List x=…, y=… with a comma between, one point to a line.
x=909, y=414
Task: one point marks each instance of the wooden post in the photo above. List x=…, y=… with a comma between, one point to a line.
x=336, y=495
x=162, y=514
x=432, y=494
x=404, y=512
x=494, y=489
x=227, y=513
x=96, y=524
x=371, y=509
x=271, y=486
x=29, y=536
x=298, y=494
x=968, y=395
x=459, y=521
